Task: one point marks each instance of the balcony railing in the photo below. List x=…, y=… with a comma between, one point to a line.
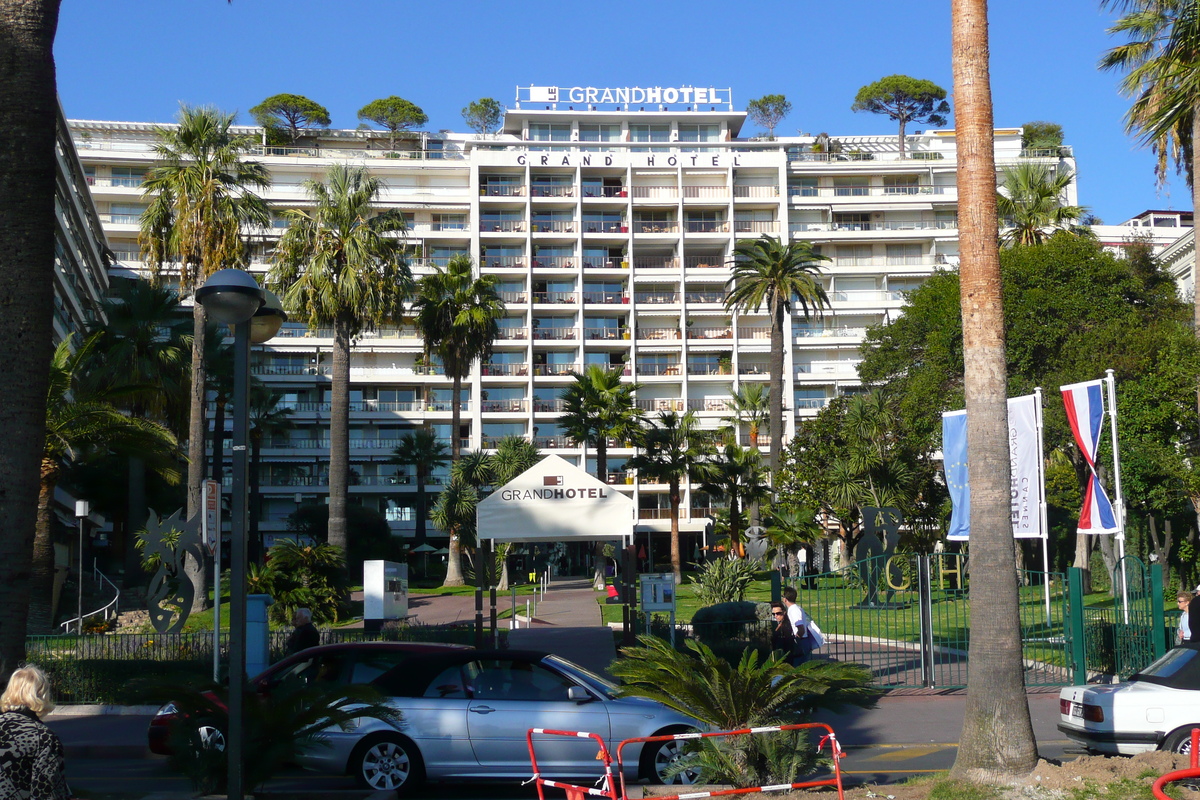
x=706, y=226
x=605, y=227
x=555, y=333
x=715, y=296
x=332, y=152
x=755, y=191
x=501, y=226
x=657, y=262
x=658, y=333
x=502, y=190
x=514, y=297
x=755, y=226
x=619, y=477
x=592, y=190
x=705, y=262
x=289, y=369
x=712, y=191
x=555, y=370
x=764, y=440
x=605, y=333
x=723, y=332
x=553, y=442
x=655, y=192
x=549, y=406
x=504, y=262
x=659, y=369
x=753, y=369
x=504, y=369
x=604, y=263
x=864, y=296
x=503, y=406
x=656, y=298
x=823, y=333
x=707, y=368
x=554, y=297
x=601, y=298
x=439, y=225
x=869, y=191
x=552, y=190
x=661, y=404
x=512, y=333
x=554, y=262
x=828, y=368
x=754, y=333
x=552, y=225
x=708, y=404
x=809, y=403
x=655, y=227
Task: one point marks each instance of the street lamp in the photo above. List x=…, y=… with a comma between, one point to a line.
x=233, y=297
x=82, y=509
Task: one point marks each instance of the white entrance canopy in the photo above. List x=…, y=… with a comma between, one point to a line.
x=555, y=501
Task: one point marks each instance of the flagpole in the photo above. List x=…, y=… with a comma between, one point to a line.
x=1120, y=498
x=1042, y=513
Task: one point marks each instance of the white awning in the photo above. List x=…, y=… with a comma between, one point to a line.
x=555, y=501
x=884, y=207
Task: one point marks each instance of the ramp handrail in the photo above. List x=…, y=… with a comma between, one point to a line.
x=111, y=606
x=1181, y=774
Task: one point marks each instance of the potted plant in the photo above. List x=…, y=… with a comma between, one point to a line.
x=725, y=364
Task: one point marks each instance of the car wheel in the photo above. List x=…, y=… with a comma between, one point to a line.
x=209, y=736
x=387, y=761
x=659, y=763
x=1180, y=741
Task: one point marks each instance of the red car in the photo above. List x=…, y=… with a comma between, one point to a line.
x=345, y=663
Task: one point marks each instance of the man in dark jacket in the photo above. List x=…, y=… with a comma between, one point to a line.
x=305, y=634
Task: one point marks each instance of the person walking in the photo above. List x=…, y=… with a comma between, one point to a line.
x=305, y=634
x=1183, y=600
x=32, y=761
x=799, y=619
x=783, y=635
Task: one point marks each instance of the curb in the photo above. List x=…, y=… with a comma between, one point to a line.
x=99, y=710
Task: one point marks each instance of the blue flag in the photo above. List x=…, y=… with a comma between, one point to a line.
x=954, y=460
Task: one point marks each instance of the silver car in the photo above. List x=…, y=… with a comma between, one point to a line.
x=466, y=713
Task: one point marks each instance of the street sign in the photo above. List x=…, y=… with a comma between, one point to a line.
x=211, y=522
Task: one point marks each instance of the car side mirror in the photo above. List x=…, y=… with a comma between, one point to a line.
x=579, y=694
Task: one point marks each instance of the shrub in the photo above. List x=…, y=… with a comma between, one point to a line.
x=724, y=580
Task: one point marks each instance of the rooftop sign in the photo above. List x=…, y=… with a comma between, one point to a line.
x=626, y=95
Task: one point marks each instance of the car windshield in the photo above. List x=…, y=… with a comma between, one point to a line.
x=586, y=676
x=1178, y=669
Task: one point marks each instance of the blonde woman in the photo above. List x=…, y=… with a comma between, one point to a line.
x=32, y=764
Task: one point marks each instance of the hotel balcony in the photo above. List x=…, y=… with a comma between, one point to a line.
x=844, y=332
x=844, y=368
x=501, y=370
x=741, y=192
x=656, y=298
x=503, y=406
x=605, y=298
x=656, y=262
x=606, y=334
x=706, y=262
x=550, y=406
x=706, y=226
x=555, y=370
x=657, y=333
x=555, y=297
x=543, y=225
x=554, y=262
x=562, y=333
x=605, y=226
x=508, y=334
x=753, y=333
x=709, y=404
x=514, y=297
x=659, y=370
x=755, y=226
x=655, y=227
x=872, y=191
x=707, y=296
x=807, y=404
x=552, y=190
x=504, y=262
x=594, y=190
x=706, y=368
x=655, y=192
x=720, y=332
x=553, y=442
x=501, y=190
x=707, y=192
x=501, y=226
x=865, y=296
x=658, y=404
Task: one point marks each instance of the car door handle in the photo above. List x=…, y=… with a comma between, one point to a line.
x=482, y=709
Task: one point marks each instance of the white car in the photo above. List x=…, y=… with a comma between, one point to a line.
x=1155, y=709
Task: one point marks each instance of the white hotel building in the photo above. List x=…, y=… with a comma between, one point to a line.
x=610, y=226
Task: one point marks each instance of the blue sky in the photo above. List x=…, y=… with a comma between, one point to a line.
x=137, y=59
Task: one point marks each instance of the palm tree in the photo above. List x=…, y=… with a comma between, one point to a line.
x=790, y=528
x=142, y=345
x=424, y=452
x=200, y=193
x=457, y=313
x=27, y=237
x=267, y=418
x=750, y=406
x=514, y=455
x=1161, y=58
x=597, y=407
x=997, y=736
x=672, y=449
x=781, y=277
x=735, y=473
x=80, y=423
x=1031, y=203
x=339, y=264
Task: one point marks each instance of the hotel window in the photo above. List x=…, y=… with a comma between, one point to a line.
x=599, y=133
x=126, y=213
x=852, y=222
x=699, y=133
x=904, y=254
x=131, y=177
x=449, y=222
x=854, y=255
x=803, y=187
x=547, y=132
x=649, y=133
x=850, y=187
x=900, y=184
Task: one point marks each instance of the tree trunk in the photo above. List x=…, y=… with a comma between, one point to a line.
x=421, y=512
x=676, y=561
x=339, y=435
x=598, y=561
x=135, y=520
x=776, y=408
x=1083, y=559
x=28, y=113
x=1195, y=176
x=254, y=548
x=197, y=430
x=454, y=570
x=901, y=137
x=997, y=736
x=41, y=590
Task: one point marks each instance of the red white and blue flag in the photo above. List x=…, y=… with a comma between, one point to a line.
x=1085, y=413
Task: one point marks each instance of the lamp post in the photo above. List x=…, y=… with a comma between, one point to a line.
x=233, y=297
x=82, y=509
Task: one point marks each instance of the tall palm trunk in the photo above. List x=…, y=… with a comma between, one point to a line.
x=422, y=511
x=1196, y=204
x=135, y=520
x=339, y=434
x=598, y=577
x=454, y=571
x=997, y=736
x=41, y=590
x=28, y=109
x=197, y=431
x=676, y=559
x=777, y=383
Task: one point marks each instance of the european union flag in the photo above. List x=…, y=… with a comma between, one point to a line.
x=954, y=461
